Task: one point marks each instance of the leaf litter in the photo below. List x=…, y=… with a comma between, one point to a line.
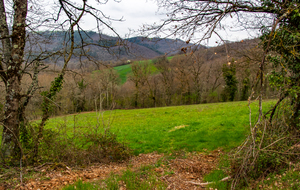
x=179, y=172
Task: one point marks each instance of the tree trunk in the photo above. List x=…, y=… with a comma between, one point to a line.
x=136, y=95
x=10, y=137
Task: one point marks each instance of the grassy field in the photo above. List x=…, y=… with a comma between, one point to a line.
x=193, y=128
x=125, y=70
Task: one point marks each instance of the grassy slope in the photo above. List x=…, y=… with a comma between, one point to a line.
x=207, y=126
x=125, y=70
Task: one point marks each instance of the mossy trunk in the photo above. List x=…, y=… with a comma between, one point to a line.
x=10, y=136
x=13, y=57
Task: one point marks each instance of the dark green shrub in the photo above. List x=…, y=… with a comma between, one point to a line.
x=80, y=149
x=245, y=88
x=230, y=88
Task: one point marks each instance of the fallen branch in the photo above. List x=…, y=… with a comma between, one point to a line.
x=207, y=183
x=8, y=175
x=38, y=168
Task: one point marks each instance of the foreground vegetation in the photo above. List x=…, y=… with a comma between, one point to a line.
x=153, y=176
x=169, y=130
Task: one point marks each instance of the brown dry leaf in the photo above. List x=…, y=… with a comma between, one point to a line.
x=192, y=168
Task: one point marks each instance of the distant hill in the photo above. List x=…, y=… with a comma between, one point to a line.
x=235, y=49
x=162, y=46
x=106, y=48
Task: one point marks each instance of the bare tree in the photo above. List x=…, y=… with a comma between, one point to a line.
x=167, y=78
x=182, y=73
x=200, y=19
x=22, y=54
x=107, y=80
x=140, y=74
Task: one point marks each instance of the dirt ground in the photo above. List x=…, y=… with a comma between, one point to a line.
x=187, y=171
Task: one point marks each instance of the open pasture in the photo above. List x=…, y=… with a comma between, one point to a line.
x=166, y=129
x=125, y=70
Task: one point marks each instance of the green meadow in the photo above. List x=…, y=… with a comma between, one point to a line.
x=125, y=70
x=166, y=129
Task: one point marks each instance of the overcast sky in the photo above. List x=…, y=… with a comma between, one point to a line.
x=135, y=13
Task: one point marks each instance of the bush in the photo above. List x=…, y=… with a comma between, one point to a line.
x=271, y=147
x=213, y=97
x=80, y=149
